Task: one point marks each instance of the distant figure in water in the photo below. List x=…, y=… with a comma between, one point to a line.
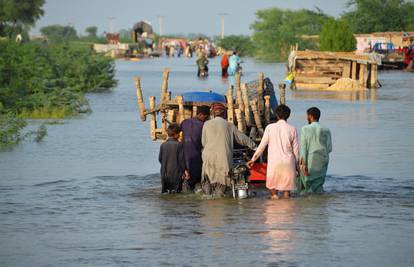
x=234, y=63
x=283, y=154
x=192, y=130
x=202, y=63
x=172, y=161
x=315, y=146
x=224, y=65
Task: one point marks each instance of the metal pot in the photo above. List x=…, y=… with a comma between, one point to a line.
x=242, y=193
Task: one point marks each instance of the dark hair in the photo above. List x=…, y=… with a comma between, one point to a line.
x=205, y=110
x=314, y=112
x=173, y=129
x=282, y=112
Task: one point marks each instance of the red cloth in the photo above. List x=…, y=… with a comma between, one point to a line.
x=258, y=172
x=225, y=61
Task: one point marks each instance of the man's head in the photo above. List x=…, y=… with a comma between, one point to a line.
x=173, y=130
x=218, y=110
x=203, y=113
x=313, y=114
x=282, y=112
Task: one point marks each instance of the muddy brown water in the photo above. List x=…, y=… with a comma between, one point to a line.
x=89, y=194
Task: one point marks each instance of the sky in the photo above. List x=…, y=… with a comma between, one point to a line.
x=180, y=16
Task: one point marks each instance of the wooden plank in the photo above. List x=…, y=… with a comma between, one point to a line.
x=347, y=70
x=328, y=80
x=312, y=86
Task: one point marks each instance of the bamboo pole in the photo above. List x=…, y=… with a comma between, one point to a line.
x=240, y=122
x=171, y=115
x=164, y=88
x=282, y=93
x=267, y=109
x=194, y=111
x=260, y=89
x=163, y=122
x=239, y=97
x=140, y=99
x=230, y=109
x=256, y=115
x=180, y=102
x=153, y=118
x=246, y=110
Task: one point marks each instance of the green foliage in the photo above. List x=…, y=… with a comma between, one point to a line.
x=336, y=36
x=38, y=81
x=18, y=15
x=242, y=44
x=41, y=133
x=367, y=16
x=275, y=30
x=58, y=34
x=10, y=130
x=92, y=32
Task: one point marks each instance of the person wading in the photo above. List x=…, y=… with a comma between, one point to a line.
x=192, y=130
x=217, y=140
x=283, y=154
x=315, y=146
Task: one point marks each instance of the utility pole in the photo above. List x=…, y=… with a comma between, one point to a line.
x=222, y=15
x=160, y=22
x=110, y=24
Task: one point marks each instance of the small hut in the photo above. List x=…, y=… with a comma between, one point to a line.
x=320, y=70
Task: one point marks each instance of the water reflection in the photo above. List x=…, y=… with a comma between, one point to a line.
x=279, y=216
x=361, y=95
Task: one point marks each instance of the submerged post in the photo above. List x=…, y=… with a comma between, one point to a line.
x=140, y=100
x=374, y=76
x=282, y=93
x=164, y=88
x=230, y=111
x=153, y=118
x=246, y=104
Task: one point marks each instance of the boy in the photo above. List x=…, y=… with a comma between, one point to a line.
x=172, y=161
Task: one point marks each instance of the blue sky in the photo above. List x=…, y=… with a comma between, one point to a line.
x=180, y=16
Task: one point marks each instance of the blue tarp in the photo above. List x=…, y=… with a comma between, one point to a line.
x=208, y=97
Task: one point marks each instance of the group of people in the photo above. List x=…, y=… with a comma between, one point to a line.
x=198, y=154
x=230, y=64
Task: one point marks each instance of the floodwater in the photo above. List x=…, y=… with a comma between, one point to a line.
x=89, y=194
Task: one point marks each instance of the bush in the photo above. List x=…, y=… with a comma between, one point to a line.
x=242, y=44
x=337, y=36
x=39, y=81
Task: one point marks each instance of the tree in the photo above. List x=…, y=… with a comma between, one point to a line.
x=275, y=30
x=58, y=33
x=242, y=44
x=92, y=32
x=19, y=15
x=367, y=16
x=336, y=36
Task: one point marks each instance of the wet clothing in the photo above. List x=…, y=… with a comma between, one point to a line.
x=315, y=146
x=218, y=138
x=224, y=65
x=171, y=157
x=234, y=62
x=283, y=155
x=192, y=130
